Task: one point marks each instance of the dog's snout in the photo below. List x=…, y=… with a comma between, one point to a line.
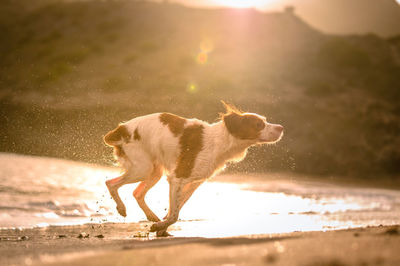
x=279, y=128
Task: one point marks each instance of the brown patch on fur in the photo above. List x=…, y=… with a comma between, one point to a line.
x=243, y=126
x=113, y=138
x=174, y=122
x=118, y=151
x=191, y=143
x=136, y=135
x=116, y=135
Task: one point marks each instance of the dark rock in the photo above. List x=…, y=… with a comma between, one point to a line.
x=83, y=235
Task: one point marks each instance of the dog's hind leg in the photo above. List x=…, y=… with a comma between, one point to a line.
x=138, y=167
x=143, y=188
x=113, y=185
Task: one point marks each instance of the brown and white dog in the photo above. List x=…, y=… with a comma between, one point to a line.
x=188, y=151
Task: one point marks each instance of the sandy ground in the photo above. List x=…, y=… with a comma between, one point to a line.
x=129, y=244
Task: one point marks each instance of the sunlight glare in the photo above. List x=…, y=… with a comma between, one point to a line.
x=226, y=209
x=244, y=3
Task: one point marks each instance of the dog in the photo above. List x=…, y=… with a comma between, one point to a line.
x=188, y=151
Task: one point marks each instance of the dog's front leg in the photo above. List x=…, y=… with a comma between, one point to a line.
x=187, y=192
x=175, y=197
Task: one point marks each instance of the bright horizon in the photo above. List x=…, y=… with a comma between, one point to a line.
x=258, y=4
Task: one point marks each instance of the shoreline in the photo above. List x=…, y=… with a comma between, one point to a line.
x=387, y=182
x=130, y=244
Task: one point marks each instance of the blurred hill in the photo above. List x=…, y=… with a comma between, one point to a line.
x=380, y=17
x=70, y=71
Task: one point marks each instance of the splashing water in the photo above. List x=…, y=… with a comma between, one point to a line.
x=37, y=191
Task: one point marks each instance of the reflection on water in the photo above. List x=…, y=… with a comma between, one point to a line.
x=38, y=191
x=222, y=209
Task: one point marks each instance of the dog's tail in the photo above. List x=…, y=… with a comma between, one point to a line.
x=117, y=136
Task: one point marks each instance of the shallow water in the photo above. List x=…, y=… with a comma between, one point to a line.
x=38, y=191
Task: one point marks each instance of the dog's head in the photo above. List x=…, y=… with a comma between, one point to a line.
x=250, y=127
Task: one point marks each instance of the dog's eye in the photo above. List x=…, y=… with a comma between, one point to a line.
x=260, y=125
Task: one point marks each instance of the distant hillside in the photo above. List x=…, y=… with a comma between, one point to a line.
x=70, y=71
x=381, y=17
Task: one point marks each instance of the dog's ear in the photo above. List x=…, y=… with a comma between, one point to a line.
x=230, y=108
x=234, y=123
x=243, y=126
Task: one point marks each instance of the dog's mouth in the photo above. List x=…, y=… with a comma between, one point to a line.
x=271, y=139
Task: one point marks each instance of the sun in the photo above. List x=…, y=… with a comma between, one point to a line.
x=244, y=3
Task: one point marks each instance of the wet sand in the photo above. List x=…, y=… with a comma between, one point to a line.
x=129, y=244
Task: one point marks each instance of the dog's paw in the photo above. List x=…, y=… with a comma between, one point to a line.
x=153, y=227
x=121, y=210
x=163, y=233
x=160, y=232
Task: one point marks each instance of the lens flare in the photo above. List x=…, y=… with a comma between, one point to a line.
x=202, y=58
x=207, y=46
x=191, y=88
